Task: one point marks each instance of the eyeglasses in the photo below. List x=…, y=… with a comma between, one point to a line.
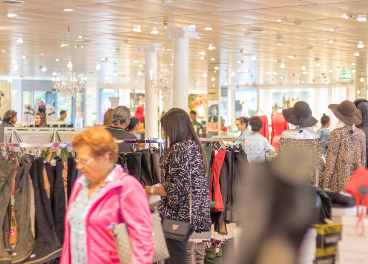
x=83, y=162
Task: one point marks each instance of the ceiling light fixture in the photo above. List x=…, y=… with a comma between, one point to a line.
x=12, y=15
x=207, y=28
x=141, y=66
x=356, y=54
x=68, y=10
x=268, y=73
x=362, y=79
x=305, y=72
x=155, y=32
x=239, y=70
x=243, y=51
x=217, y=68
x=213, y=79
x=44, y=69
x=20, y=40
x=332, y=41
x=353, y=63
x=232, y=74
x=327, y=82
x=275, y=73
x=63, y=45
x=253, y=58
x=202, y=53
x=291, y=57
x=318, y=65
x=137, y=29
x=345, y=16
x=353, y=71
x=333, y=29
x=279, y=43
x=201, y=58
x=98, y=67
x=330, y=70
x=282, y=66
x=135, y=61
x=3, y=51
x=211, y=47
x=23, y=57
x=16, y=67
x=360, y=45
x=282, y=20
x=303, y=68
x=213, y=59
x=192, y=26
x=199, y=37
x=204, y=75
x=362, y=18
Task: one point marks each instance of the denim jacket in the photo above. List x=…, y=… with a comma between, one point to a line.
x=255, y=145
x=324, y=136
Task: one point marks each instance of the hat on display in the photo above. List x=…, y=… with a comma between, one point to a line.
x=300, y=115
x=347, y=113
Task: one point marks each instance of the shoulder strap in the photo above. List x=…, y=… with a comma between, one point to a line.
x=190, y=178
x=120, y=218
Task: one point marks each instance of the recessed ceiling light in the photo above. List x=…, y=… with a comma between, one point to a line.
x=3, y=51
x=353, y=64
x=20, y=40
x=345, y=16
x=333, y=29
x=225, y=83
x=201, y=58
x=278, y=20
x=155, y=32
x=292, y=57
x=332, y=41
x=232, y=74
x=44, y=69
x=303, y=68
x=243, y=51
x=207, y=28
x=282, y=20
x=137, y=29
x=356, y=54
x=216, y=68
x=211, y=48
x=282, y=78
x=56, y=59
x=12, y=15
x=330, y=70
x=80, y=37
x=135, y=61
x=199, y=37
x=362, y=79
x=139, y=73
x=362, y=18
x=305, y=72
x=104, y=59
x=360, y=45
x=140, y=66
x=239, y=61
x=253, y=58
x=202, y=53
x=23, y=57
x=16, y=67
x=213, y=79
x=192, y=26
x=353, y=71
x=63, y=45
x=275, y=73
x=318, y=65
x=279, y=43
x=213, y=59
x=98, y=67
x=268, y=73
x=282, y=65
x=327, y=82
x=68, y=10
x=204, y=75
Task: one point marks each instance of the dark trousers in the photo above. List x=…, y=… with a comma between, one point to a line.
x=178, y=250
x=47, y=246
x=72, y=175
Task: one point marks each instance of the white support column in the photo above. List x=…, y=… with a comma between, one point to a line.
x=181, y=63
x=151, y=102
x=114, y=102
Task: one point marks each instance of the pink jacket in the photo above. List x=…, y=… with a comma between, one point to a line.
x=101, y=248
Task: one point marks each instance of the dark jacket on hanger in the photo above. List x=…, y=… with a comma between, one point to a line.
x=121, y=134
x=363, y=107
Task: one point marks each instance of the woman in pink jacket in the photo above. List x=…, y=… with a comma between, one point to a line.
x=94, y=205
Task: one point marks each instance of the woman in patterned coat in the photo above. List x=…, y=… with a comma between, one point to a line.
x=184, y=171
x=346, y=149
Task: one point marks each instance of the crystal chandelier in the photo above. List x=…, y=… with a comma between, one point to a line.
x=163, y=84
x=68, y=85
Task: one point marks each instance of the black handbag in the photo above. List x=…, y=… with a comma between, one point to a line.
x=175, y=229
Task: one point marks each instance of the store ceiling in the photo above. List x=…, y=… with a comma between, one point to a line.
x=304, y=31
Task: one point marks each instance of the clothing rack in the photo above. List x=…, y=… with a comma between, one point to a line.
x=221, y=139
x=161, y=142
x=34, y=145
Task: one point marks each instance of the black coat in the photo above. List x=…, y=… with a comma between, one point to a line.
x=363, y=107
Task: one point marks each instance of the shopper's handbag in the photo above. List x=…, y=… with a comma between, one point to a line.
x=358, y=188
x=122, y=239
x=45, y=152
x=175, y=229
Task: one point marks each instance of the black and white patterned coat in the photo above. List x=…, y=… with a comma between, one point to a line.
x=182, y=162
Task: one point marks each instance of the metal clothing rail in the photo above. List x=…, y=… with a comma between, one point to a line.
x=221, y=139
x=145, y=141
x=34, y=145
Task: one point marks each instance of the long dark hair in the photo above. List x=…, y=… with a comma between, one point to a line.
x=43, y=119
x=133, y=122
x=178, y=127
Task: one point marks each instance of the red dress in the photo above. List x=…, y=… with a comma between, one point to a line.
x=278, y=125
x=265, y=129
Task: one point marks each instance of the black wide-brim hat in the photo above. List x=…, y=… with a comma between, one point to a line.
x=300, y=115
x=347, y=113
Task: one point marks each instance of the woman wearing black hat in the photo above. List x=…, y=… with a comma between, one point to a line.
x=302, y=137
x=346, y=149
